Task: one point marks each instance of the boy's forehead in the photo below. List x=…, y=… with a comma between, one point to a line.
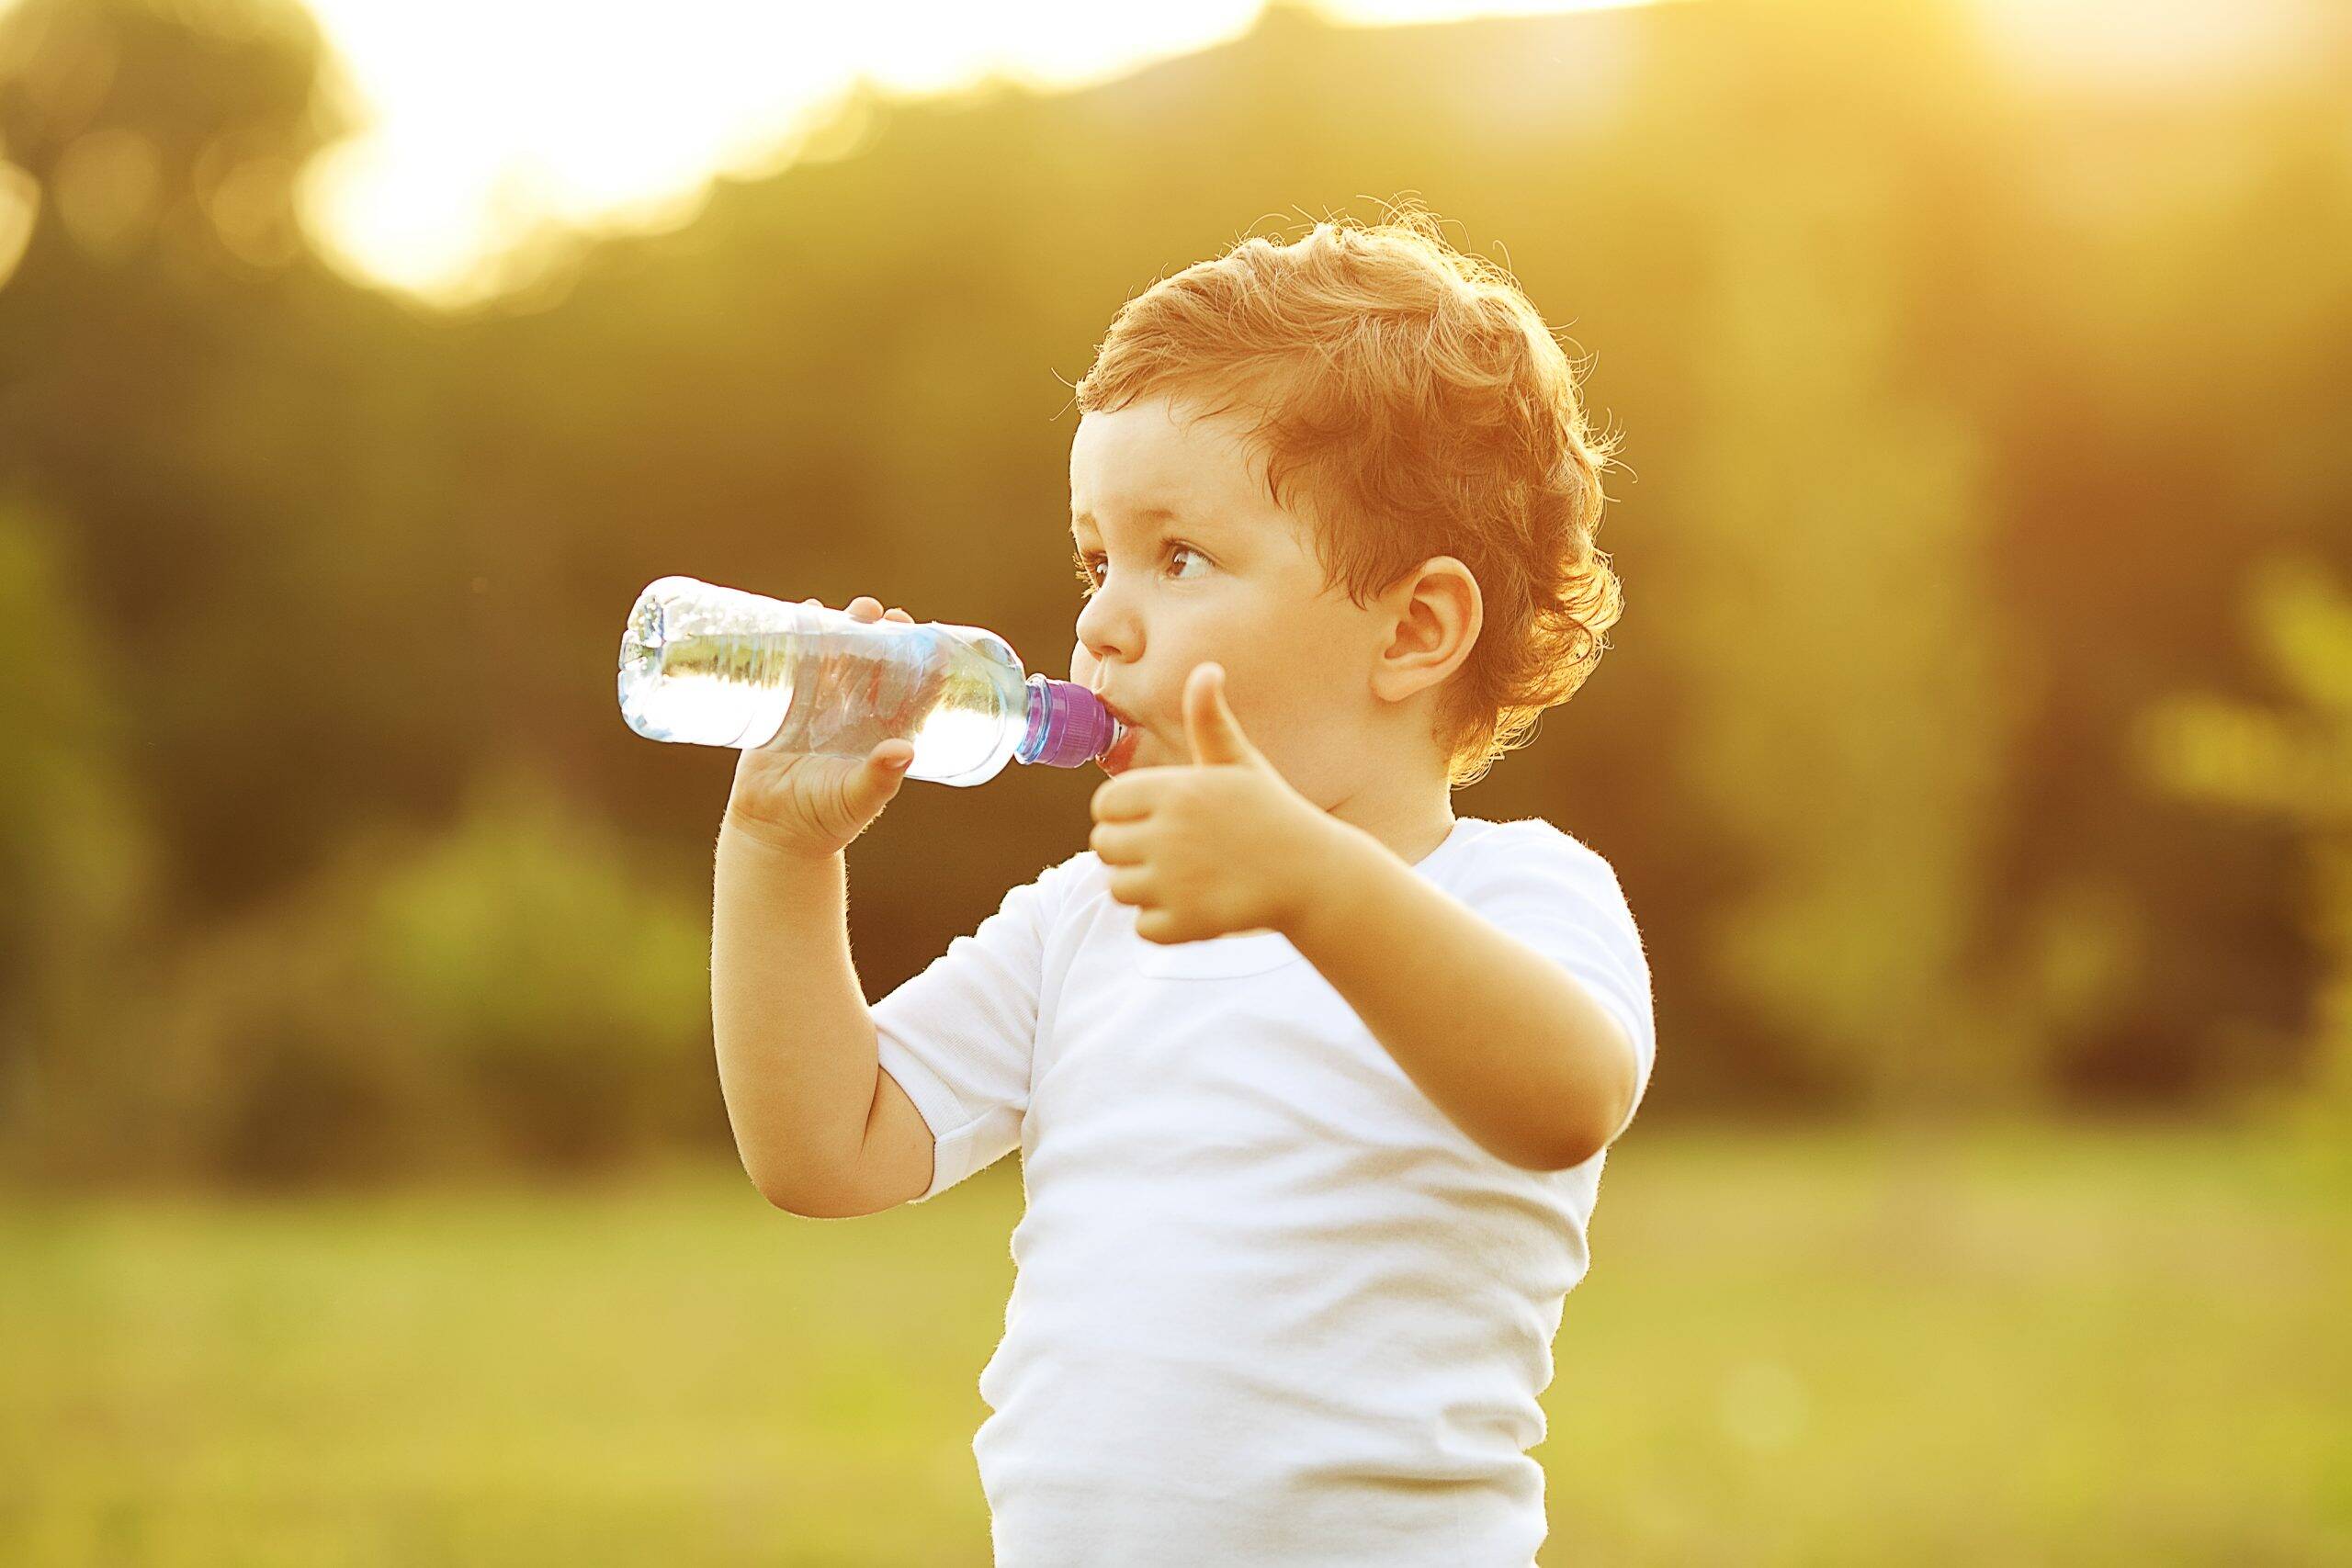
x=1139, y=463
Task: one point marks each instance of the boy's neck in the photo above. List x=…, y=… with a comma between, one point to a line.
x=1412, y=827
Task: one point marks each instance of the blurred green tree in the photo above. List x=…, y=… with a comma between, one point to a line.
x=2290, y=765
x=77, y=860
x=1854, y=674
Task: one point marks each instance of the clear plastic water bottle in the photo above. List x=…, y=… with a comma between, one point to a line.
x=719, y=667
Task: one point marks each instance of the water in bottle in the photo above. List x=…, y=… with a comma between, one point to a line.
x=716, y=666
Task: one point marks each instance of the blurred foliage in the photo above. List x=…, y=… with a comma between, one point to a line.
x=565, y=993
x=507, y=991
x=76, y=859
x=1957, y=398
x=1864, y=792
x=2292, y=767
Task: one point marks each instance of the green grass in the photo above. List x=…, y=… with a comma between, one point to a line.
x=2035, y=1346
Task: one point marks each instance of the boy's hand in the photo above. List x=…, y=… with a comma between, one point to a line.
x=1220, y=847
x=817, y=804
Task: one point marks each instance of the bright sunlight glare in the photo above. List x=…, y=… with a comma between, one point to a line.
x=488, y=125
x=487, y=118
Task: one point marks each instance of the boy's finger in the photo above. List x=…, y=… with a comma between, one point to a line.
x=1128, y=795
x=1114, y=844
x=886, y=766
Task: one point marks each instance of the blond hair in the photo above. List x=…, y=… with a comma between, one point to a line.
x=1412, y=400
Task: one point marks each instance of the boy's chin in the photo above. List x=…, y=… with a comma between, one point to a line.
x=1124, y=758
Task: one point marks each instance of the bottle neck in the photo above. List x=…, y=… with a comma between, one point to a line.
x=1067, y=725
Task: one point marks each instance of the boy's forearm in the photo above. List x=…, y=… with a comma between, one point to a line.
x=1499, y=1037
x=796, y=1041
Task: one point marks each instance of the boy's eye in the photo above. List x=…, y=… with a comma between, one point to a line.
x=1087, y=560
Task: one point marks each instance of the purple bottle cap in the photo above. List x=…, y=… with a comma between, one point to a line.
x=1068, y=726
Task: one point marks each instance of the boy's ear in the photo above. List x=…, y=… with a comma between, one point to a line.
x=1436, y=610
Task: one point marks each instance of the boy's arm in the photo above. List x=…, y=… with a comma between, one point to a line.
x=797, y=1061
x=1505, y=1042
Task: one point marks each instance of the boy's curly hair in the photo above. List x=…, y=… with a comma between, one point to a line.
x=1409, y=402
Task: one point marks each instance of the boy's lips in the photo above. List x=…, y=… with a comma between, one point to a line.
x=1119, y=756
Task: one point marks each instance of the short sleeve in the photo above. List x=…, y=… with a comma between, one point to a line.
x=959, y=1037
x=1561, y=898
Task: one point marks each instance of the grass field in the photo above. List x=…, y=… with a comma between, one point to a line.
x=2036, y=1347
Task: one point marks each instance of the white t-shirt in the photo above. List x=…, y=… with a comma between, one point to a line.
x=1272, y=1306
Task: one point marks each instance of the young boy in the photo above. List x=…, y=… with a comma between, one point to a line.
x=1312, y=1080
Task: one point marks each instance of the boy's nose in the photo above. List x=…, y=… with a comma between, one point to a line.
x=1099, y=652
x=1108, y=633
